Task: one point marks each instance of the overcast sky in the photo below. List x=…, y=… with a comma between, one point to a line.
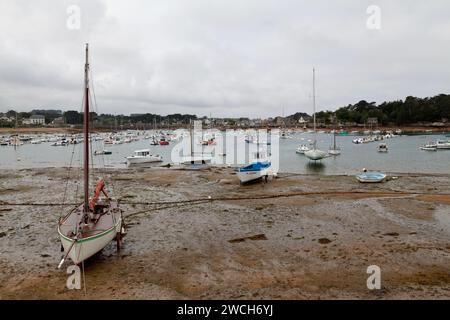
x=247, y=58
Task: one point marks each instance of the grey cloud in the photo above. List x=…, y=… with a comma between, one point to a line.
x=228, y=58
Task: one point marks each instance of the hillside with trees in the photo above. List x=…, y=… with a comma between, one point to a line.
x=412, y=110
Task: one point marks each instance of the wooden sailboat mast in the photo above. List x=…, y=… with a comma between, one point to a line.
x=86, y=131
x=314, y=107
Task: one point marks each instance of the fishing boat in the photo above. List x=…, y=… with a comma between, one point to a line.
x=315, y=154
x=143, y=156
x=371, y=177
x=334, y=150
x=261, y=167
x=302, y=149
x=383, y=148
x=88, y=228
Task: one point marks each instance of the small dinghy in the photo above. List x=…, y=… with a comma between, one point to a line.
x=371, y=177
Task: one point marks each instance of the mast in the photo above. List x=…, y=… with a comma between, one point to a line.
x=191, y=132
x=86, y=131
x=314, y=107
x=334, y=137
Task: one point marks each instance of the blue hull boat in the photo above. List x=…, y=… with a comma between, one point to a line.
x=254, y=171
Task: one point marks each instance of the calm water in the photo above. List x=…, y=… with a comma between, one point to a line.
x=404, y=155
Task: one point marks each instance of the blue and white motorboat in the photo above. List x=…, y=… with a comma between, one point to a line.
x=371, y=177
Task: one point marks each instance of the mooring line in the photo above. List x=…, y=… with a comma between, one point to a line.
x=256, y=197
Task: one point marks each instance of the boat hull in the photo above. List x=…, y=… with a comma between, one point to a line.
x=315, y=154
x=253, y=175
x=87, y=247
x=245, y=177
x=371, y=177
x=334, y=152
x=139, y=160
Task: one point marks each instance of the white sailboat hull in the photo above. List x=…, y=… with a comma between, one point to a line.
x=248, y=176
x=87, y=247
x=315, y=154
x=334, y=152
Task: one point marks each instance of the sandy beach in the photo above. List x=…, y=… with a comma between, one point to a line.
x=295, y=237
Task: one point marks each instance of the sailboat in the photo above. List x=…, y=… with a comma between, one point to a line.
x=261, y=167
x=193, y=161
x=88, y=228
x=334, y=150
x=315, y=154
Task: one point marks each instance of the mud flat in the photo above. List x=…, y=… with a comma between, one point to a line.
x=296, y=237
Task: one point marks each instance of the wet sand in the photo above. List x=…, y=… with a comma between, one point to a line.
x=310, y=237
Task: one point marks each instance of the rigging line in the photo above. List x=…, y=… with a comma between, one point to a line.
x=97, y=109
x=69, y=169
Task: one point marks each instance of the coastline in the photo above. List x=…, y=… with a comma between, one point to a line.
x=297, y=237
x=413, y=129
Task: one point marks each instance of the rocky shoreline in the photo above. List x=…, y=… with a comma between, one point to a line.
x=296, y=237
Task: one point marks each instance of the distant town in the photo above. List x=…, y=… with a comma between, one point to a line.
x=412, y=112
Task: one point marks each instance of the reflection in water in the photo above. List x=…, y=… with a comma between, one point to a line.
x=315, y=167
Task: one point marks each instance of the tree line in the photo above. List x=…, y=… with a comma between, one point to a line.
x=412, y=110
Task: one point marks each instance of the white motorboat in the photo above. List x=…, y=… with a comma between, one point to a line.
x=143, y=156
x=382, y=147
x=443, y=144
x=429, y=147
x=302, y=149
x=102, y=152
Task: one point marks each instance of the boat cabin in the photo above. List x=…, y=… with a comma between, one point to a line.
x=142, y=153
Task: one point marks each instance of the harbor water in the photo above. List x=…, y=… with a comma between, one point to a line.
x=404, y=155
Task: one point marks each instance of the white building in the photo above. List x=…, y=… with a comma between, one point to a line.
x=34, y=119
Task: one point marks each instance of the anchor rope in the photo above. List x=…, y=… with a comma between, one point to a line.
x=260, y=197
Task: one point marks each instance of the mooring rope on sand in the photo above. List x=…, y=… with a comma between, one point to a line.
x=256, y=197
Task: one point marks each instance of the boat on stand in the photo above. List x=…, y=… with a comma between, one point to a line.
x=193, y=161
x=334, y=150
x=91, y=226
x=315, y=154
x=261, y=167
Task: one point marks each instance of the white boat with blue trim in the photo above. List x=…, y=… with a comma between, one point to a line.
x=261, y=167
